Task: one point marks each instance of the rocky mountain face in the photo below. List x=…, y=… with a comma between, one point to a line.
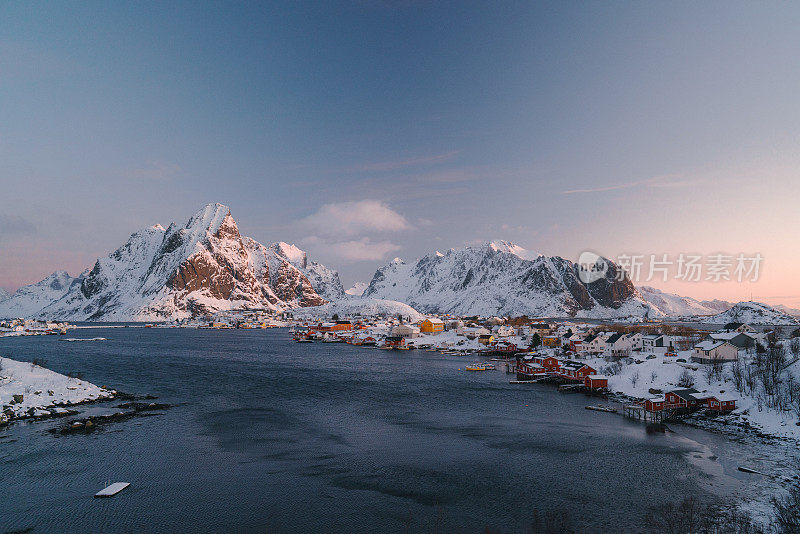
x=4, y=294
x=201, y=267
x=501, y=278
x=325, y=281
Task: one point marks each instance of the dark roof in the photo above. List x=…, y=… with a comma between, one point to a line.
x=394, y=338
x=687, y=394
x=732, y=326
x=613, y=338
x=589, y=338
x=572, y=364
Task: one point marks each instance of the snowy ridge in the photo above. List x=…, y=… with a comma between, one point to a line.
x=504, y=279
x=4, y=294
x=672, y=305
x=195, y=269
x=357, y=290
x=754, y=313
x=29, y=300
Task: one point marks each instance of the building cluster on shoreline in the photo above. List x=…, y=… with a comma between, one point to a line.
x=31, y=327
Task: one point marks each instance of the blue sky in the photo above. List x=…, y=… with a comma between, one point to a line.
x=621, y=127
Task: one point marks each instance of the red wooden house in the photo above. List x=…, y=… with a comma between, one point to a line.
x=721, y=404
x=654, y=405
x=549, y=363
x=595, y=381
x=686, y=398
x=529, y=370
x=394, y=342
x=577, y=371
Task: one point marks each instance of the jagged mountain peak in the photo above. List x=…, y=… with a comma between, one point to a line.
x=203, y=266
x=290, y=253
x=500, y=277
x=510, y=248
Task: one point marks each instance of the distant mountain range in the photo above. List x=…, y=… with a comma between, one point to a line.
x=206, y=266
x=500, y=278
x=673, y=305
x=200, y=267
x=754, y=313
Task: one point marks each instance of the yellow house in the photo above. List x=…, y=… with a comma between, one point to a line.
x=432, y=326
x=485, y=339
x=551, y=341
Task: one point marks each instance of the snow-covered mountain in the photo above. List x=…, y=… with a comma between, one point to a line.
x=754, y=313
x=672, y=305
x=500, y=278
x=794, y=312
x=29, y=300
x=203, y=266
x=4, y=294
x=357, y=290
x=326, y=281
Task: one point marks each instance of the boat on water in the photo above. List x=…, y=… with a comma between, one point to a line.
x=476, y=367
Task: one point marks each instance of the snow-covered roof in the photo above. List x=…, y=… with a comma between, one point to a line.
x=709, y=344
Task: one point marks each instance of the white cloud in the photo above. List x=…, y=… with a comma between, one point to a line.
x=354, y=250
x=354, y=218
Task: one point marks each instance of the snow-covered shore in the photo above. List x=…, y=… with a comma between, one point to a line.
x=661, y=373
x=28, y=390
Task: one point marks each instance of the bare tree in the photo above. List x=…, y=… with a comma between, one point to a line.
x=634, y=378
x=685, y=379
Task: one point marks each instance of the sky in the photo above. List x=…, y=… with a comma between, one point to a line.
x=367, y=130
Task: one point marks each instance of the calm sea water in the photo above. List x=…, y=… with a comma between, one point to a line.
x=272, y=436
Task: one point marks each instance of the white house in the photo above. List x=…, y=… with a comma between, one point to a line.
x=742, y=328
x=710, y=351
x=617, y=345
x=472, y=332
x=594, y=343
x=505, y=331
x=405, y=330
x=634, y=340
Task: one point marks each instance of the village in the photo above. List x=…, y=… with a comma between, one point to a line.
x=658, y=372
x=32, y=327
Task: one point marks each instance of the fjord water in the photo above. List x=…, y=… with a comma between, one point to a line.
x=272, y=436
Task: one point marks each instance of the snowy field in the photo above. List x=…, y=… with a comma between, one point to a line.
x=28, y=390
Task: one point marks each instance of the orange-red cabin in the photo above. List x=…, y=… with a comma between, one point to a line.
x=724, y=405
x=595, y=381
x=654, y=405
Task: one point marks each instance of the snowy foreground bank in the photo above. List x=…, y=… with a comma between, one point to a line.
x=28, y=390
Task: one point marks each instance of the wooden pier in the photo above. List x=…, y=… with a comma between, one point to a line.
x=635, y=411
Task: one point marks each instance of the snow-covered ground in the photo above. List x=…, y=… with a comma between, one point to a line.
x=29, y=390
x=662, y=373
